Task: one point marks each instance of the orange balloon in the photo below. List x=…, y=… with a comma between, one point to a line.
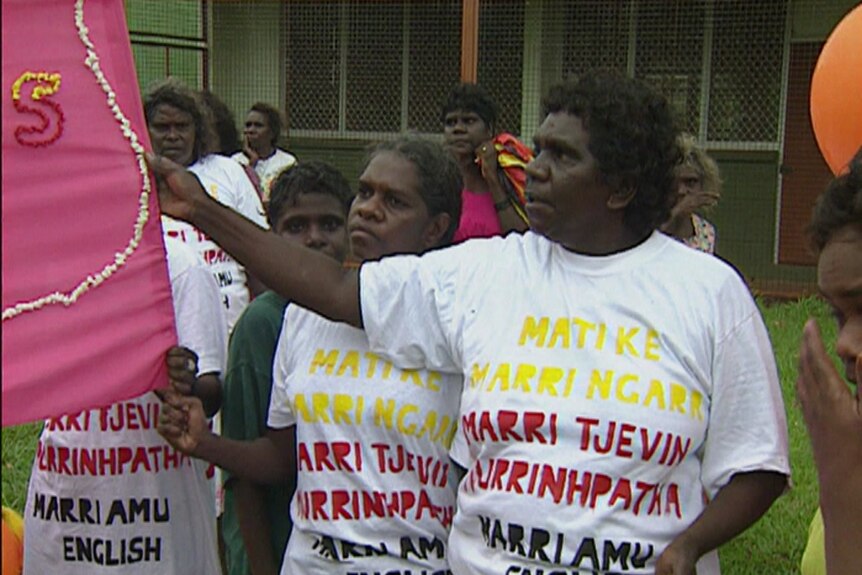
x=13, y=548
x=836, y=93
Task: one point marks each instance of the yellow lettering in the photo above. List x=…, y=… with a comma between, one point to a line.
x=341, y=406
x=584, y=326
x=383, y=413
x=320, y=404
x=501, y=376
x=600, y=383
x=372, y=363
x=326, y=361
x=360, y=409
x=523, y=374
x=621, y=386
x=696, y=405
x=351, y=362
x=677, y=397
x=300, y=407
x=561, y=331
x=534, y=330
x=478, y=374
x=651, y=346
x=433, y=378
x=656, y=391
x=428, y=425
x=548, y=380
x=402, y=415
x=624, y=341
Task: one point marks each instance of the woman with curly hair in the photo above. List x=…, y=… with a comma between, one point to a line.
x=698, y=186
x=604, y=392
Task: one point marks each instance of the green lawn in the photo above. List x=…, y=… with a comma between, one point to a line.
x=773, y=546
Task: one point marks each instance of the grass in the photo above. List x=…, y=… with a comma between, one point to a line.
x=774, y=545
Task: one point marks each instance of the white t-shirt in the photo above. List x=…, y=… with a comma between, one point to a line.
x=228, y=184
x=107, y=494
x=268, y=169
x=602, y=395
x=375, y=487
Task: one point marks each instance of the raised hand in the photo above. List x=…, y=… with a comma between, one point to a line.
x=182, y=369
x=832, y=412
x=182, y=423
x=179, y=190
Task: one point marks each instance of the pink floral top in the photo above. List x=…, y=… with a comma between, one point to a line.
x=478, y=217
x=704, y=235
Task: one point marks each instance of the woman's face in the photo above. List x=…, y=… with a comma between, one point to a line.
x=687, y=181
x=839, y=278
x=172, y=132
x=464, y=131
x=257, y=131
x=388, y=215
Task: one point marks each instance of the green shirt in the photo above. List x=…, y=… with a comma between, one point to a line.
x=247, y=389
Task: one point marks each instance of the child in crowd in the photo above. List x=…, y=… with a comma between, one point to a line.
x=308, y=205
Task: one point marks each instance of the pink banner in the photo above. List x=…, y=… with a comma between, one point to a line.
x=87, y=312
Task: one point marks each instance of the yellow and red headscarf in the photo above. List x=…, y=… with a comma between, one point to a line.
x=512, y=159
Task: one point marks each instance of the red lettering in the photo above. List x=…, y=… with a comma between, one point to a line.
x=318, y=500
x=625, y=440
x=532, y=422
x=321, y=457
x=586, y=426
x=519, y=470
x=507, y=420
x=601, y=485
x=340, y=499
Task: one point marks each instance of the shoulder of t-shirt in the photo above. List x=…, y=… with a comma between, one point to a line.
x=228, y=165
x=240, y=158
x=286, y=157
x=703, y=267
x=180, y=257
x=489, y=257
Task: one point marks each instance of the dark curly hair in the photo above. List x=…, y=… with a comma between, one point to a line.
x=440, y=180
x=471, y=98
x=310, y=177
x=839, y=206
x=224, y=123
x=172, y=92
x=632, y=137
x=273, y=119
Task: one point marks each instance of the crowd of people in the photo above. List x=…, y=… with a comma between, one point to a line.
x=482, y=359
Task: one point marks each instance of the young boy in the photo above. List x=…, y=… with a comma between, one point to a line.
x=308, y=204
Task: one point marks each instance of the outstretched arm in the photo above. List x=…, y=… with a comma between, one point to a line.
x=735, y=507
x=183, y=424
x=833, y=416
x=299, y=274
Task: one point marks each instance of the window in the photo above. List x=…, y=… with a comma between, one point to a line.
x=369, y=70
